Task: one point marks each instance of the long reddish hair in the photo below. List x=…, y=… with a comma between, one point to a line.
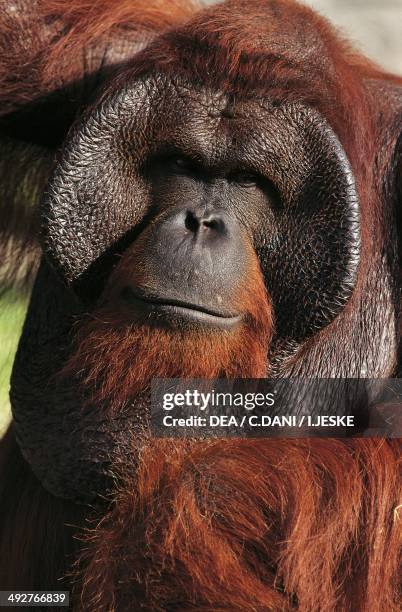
x=308, y=525
x=250, y=525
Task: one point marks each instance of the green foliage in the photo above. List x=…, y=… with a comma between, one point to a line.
x=12, y=312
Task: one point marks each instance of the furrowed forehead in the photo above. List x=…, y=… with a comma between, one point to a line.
x=159, y=114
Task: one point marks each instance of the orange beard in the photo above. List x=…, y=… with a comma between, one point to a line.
x=116, y=359
x=223, y=525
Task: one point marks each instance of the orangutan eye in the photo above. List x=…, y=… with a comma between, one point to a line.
x=179, y=164
x=245, y=179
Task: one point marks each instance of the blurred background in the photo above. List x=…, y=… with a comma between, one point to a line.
x=376, y=28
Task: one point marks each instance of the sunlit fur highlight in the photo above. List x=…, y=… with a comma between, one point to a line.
x=267, y=525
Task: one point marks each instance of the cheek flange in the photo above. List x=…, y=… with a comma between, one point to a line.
x=311, y=265
x=96, y=194
x=310, y=271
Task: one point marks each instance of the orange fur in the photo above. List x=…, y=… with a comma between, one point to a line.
x=267, y=525
x=94, y=24
x=117, y=358
x=47, y=44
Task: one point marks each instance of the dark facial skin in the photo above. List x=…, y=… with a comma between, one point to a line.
x=193, y=259
x=165, y=155
x=195, y=183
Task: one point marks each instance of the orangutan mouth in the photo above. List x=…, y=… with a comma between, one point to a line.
x=163, y=311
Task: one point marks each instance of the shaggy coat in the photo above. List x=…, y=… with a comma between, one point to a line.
x=309, y=525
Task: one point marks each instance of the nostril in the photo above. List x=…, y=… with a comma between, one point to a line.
x=191, y=222
x=194, y=223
